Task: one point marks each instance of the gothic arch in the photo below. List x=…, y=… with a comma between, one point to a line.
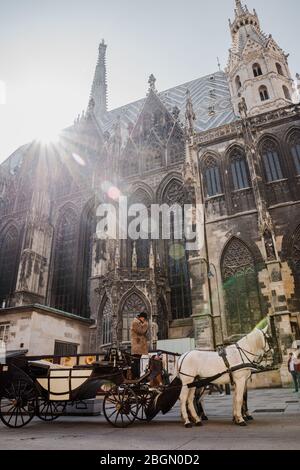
x=173, y=176
x=132, y=302
x=293, y=150
x=267, y=137
x=238, y=169
x=243, y=300
x=208, y=155
x=289, y=134
x=105, y=316
x=141, y=186
x=212, y=174
x=232, y=148
x=272, y=158
x=291, y=254
x=64, y=208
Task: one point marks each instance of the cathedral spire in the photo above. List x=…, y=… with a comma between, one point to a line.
x=258, y=72
x=239, y=7
x=99, y=87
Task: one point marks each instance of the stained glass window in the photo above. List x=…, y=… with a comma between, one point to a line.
x=9, y=256
x=240, y=282
x=64, y=280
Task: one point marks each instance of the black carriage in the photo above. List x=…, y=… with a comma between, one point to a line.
x=42, y=387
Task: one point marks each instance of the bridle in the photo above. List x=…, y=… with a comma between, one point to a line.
x=244, y=354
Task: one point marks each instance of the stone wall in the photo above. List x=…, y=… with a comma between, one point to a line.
x=36, y=330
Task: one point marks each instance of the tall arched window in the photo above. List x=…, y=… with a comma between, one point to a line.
x=295, y=150
x=294, y=257
x=271, y=161
x=142, y=244
x=239, y=171
x=263, y=93
x=106, y=323
x=286, y=93
x=257, y=72
x=88, y=229
x=243, y=300
x=133, y=305
x=279, y=69
x=65, y=259
x=162, y=320
x=177, y=257
x=9, y=258
x=212, y=177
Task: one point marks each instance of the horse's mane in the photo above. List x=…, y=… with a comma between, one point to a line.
x=253, y=339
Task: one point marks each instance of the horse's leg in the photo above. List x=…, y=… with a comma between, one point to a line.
x=201, y=409
x=246, y=415
x=191, y=407
x=183, y=406
x=238, y=401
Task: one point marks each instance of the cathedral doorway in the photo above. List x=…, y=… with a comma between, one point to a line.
x=133, y=305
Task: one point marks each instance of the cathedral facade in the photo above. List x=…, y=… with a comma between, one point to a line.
x=228, y=142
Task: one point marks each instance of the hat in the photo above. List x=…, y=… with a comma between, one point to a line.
x=143, y=315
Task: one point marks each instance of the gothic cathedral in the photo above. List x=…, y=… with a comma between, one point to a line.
x=229, y=141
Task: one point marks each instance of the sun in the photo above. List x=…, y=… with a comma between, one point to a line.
x=48, y=136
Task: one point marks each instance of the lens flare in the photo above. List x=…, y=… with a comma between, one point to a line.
x=48, y=136
x=176, y=251
x=78, y=159
x=112, y=191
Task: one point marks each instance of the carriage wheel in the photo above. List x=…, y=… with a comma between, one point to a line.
x=50, y=410
x=120, y=406
x=18, y=403
x=145, y=403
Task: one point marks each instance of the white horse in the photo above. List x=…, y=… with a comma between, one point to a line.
x=250, y=350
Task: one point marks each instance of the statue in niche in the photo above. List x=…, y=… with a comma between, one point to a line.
x=243, y=109
x=269, y=245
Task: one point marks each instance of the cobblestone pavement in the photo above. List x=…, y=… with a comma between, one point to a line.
x=276, y=426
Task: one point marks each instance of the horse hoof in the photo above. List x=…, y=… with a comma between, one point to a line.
x=188, y=425
x=204, y=418
x=249, y=418
x=242, y=424
x=199, y=424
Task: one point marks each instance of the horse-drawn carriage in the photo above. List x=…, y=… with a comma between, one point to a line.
x=36, y=386
x=43, y=387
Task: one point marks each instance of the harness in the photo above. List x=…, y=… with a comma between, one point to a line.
x=223, y=354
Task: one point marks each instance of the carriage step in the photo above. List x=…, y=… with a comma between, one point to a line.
x=84, y=408
x=270, y=410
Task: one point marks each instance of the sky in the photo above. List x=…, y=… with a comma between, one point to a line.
x=48, y=53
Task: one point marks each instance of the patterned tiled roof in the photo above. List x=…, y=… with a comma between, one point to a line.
x=211, y=101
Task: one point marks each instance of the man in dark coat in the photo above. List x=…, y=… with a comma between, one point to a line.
x=139, y=342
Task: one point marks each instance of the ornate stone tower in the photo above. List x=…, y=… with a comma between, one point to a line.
x=99, y=87
x=258, y=68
